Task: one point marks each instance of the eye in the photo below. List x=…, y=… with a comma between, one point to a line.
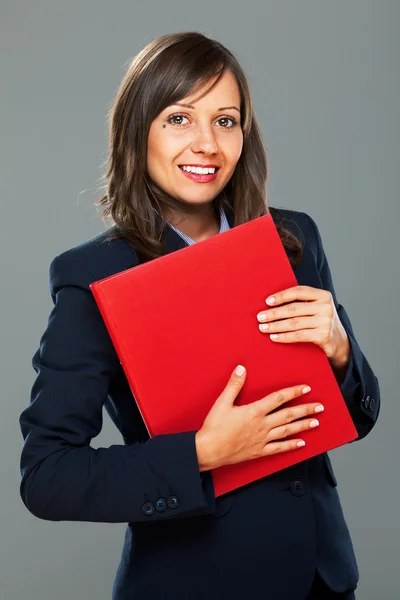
x=172, y=117
x=172, y=121
x=233, y=121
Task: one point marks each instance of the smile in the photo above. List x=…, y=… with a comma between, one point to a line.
x=204, y=177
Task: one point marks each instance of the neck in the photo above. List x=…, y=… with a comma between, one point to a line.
x=197, y=222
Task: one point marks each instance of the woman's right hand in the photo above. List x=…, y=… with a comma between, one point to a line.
x=232, y=434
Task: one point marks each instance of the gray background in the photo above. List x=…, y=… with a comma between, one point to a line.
x=325, y=82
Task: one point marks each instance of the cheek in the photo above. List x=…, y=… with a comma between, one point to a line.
x=232, y=147
x=154, y=152
x=162, y=151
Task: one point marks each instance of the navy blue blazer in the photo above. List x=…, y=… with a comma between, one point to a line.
x=265, y=539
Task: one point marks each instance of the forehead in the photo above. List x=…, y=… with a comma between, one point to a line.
x=225, y=92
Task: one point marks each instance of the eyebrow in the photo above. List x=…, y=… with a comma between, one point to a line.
x=194, y=108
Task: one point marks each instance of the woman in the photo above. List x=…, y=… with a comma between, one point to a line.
x=184, y=105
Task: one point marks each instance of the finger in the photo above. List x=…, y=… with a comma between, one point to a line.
x=301, y=335
x=277, y=447
x=292, y=324
x=278, y=398
x=284, y=431
x=234, y=385
x=292, y=413
x=298, y=292
x=294, y=309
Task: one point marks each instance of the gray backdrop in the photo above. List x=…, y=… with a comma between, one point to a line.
x=325, y=81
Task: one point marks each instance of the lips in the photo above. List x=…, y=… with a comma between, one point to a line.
x=201, y=166
x=199, y=177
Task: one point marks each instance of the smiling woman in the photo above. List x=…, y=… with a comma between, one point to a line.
x=187, y=162
x=206, y=136
x=175, y=111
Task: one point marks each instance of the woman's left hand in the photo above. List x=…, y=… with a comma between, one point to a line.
x=313, y=319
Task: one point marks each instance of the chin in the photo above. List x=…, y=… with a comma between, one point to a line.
x=192, y=197
x=198, y=201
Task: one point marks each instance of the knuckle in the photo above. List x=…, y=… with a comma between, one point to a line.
x=292, y=309
x=293, y=322
x=254, y=411
x=298, y=334
x=280, y=397
x=235, y=383
x=271, y=435
x=289, y=416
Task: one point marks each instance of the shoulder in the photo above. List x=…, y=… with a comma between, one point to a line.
x=302, y=225
x=294, y=219
x=93, y=259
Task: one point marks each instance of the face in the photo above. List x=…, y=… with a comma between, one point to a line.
x=208, y=132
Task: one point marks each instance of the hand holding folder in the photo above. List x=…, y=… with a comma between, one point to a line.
x=182, y=322
x=241, y=433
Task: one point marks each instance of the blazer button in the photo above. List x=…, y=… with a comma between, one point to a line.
x=367, y=399
x=161, y=504
x=148, y=508
x=297, y=487
x=371, y=404
x=172, y=502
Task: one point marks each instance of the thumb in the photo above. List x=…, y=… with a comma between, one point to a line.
x=234, y=385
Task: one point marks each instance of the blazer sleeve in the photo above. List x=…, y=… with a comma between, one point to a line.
x=63, y=477
x=360, y=386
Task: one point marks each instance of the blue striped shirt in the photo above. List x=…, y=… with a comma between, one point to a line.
x=224, y=226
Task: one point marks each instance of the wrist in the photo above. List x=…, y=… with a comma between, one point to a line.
x=204, y=453
x=342, y=356
x=340, y=361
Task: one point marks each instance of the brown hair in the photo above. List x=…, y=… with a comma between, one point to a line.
x=168, y=69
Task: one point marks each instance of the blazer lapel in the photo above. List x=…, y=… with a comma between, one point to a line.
x=172, y=240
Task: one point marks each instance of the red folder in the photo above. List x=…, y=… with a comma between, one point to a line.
x=182, y=322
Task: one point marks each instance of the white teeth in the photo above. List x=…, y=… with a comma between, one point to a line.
x=198, y=170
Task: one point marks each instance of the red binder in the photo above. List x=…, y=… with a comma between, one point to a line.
x=182, y=322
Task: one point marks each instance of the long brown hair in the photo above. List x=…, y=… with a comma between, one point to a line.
x=167, y=70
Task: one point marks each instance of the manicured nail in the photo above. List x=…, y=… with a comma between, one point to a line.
x=263, y=327
x=274, y=336
x=261, y=317
x=306, y=389
x=314, y=423
x=301, y=443
x=270, y=300
x=319, y=408
x=239, y=370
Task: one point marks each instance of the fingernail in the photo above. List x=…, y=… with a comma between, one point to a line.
x=263, y=327
x=239, y=370
x=306, y=389
x=314, y=423
x=270, y=300
x=319, y=408
x=301, y=443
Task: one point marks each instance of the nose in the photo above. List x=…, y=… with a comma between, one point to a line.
x=204, y=141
